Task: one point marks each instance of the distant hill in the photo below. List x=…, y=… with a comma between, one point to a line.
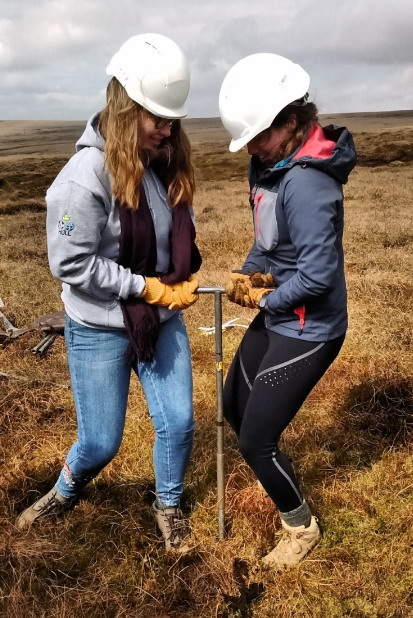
x=357, y=121
x=26, y=137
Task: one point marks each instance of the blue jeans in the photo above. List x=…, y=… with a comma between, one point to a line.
x=100, y=375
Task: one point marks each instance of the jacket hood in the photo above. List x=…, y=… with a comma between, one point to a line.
x=329, y=149
x=91, y=138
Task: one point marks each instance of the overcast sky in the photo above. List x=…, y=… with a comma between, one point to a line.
x=53, y=53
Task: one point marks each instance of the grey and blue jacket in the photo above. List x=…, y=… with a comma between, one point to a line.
x=83, y=234
x=298, y=223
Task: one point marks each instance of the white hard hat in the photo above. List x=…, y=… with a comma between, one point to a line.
x=254, y=91
x=154, y=72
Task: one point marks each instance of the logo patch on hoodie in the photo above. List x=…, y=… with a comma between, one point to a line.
x=65, y=226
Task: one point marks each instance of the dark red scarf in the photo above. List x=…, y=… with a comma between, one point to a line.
x=137, y=251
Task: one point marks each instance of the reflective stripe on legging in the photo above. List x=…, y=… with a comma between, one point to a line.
x=285, y=475
x=290, y=362
x=244, y=373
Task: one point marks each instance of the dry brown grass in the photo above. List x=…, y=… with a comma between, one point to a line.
x=351, y=443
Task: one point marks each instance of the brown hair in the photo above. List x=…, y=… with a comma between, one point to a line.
x=306, y=116
x=119, y=124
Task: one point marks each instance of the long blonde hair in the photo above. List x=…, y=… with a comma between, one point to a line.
x=119, y=125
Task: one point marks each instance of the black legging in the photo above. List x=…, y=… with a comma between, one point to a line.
x=269, y=379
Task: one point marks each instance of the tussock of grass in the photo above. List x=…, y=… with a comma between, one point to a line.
x=386, y=147
x=351, y=443
x=23, y=183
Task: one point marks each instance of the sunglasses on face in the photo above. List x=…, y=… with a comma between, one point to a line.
x=161, y=123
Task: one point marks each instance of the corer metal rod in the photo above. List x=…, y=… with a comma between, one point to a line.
x=219, y=376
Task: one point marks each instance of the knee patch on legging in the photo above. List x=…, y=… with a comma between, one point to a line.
x=250, y=449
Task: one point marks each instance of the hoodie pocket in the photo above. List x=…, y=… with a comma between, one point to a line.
x=265, y=220
x=90, y=311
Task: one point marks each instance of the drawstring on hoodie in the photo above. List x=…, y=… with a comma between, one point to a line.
x=285, y=162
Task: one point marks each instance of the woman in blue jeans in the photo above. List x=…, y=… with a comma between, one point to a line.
x=122, y=241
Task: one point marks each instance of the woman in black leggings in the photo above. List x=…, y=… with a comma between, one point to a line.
x=294, y=273
x=269, y=379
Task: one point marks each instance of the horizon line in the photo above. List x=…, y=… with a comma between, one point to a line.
x=217, y=118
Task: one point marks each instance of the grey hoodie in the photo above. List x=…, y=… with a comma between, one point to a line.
x=83, y=233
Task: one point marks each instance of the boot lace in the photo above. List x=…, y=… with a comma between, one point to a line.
x=178, y=526
x=52, y=505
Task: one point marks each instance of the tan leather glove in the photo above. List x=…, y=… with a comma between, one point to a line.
x=248, y=296
x=247, y=290
x=231, y=285
x=157, y=293
x=262, y=280
x=183, y=294
x=261, y=284
x=240, y=294
x=254, y=296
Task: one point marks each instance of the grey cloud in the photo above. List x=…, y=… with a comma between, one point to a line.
x=372, y=32
x=53, y=53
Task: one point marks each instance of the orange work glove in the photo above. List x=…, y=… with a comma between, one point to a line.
x=184, y=294
x=157, y=293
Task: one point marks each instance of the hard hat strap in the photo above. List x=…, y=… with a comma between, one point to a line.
x=301, y=102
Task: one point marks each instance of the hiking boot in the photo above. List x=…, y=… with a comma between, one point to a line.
x=50, y=505
x=294, y=545
x=175, y=529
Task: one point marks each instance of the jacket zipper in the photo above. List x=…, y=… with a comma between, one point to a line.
x=257, y=201
x=300, y=311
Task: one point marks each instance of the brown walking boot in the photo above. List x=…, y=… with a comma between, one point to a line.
x=175, y=529
x=50, y=505
x=294, y=545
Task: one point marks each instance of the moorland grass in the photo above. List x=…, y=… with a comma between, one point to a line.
x=351, y=443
